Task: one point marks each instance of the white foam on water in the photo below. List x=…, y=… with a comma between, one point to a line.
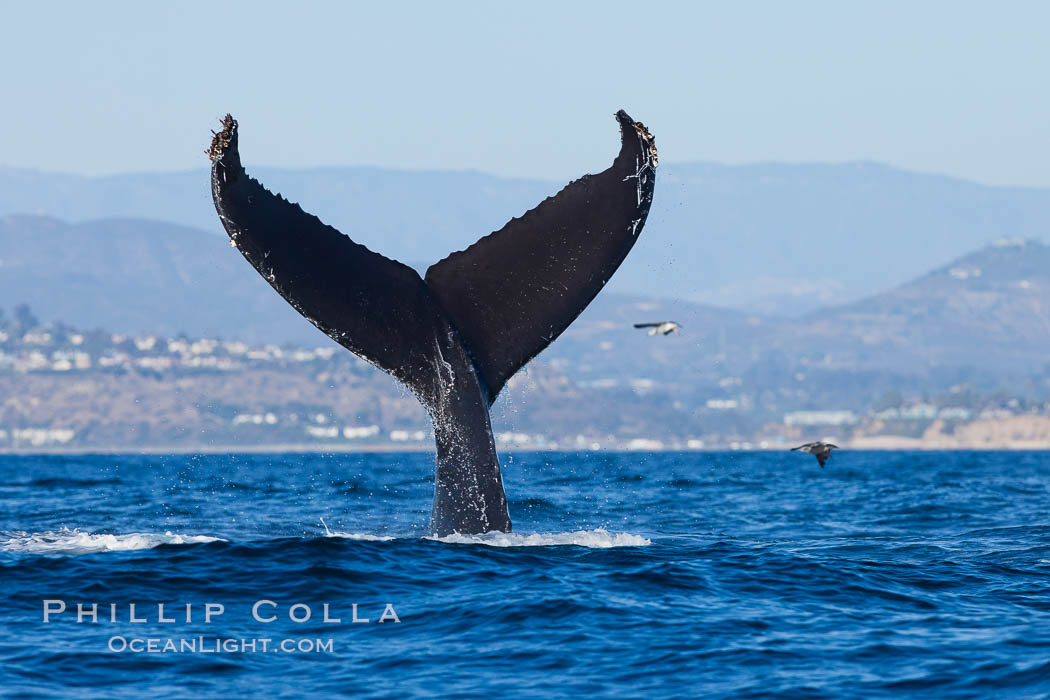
x=354, y=535
x=360, y=536
x=74, y=541
x=593, y=539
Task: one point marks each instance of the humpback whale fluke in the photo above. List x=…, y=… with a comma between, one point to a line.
x=457, y=336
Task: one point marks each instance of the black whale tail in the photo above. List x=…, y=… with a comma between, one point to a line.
x=455, y=338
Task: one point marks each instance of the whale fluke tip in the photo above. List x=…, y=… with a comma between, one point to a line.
x=643, y=132
x=624, y=118
x=222, y=140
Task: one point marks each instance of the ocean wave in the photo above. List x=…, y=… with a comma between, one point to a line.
x=55, y=482
x=593, y=539
x=66, y=541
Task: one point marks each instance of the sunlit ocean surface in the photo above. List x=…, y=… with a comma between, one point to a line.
x=886, y=574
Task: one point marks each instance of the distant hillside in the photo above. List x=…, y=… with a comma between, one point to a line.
x=135, y=276
x=983, y=320
x=770, y=238
x=989, y=309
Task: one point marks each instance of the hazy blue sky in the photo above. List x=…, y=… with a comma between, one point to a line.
x=528, y=88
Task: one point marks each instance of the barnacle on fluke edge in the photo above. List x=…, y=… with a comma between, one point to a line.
x=649, y=139
x=220, y=140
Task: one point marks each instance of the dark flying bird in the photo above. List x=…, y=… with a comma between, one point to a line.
x=664, y=327
x=820, y=450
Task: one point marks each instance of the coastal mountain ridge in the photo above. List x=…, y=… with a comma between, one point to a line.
x=766, y=238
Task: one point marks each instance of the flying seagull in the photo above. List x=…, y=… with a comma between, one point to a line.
x=820, y=450
x=664, y=327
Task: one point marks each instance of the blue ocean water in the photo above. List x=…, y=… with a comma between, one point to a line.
x=886, y=574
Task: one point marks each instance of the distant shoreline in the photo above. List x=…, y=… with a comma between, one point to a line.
x=903, y=445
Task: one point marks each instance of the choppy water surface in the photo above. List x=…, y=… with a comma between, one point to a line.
x=701, y=574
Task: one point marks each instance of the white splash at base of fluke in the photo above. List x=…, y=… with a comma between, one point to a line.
x=66, y=541
x=592, y=539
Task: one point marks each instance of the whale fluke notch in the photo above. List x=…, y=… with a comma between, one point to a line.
x=456, y=337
